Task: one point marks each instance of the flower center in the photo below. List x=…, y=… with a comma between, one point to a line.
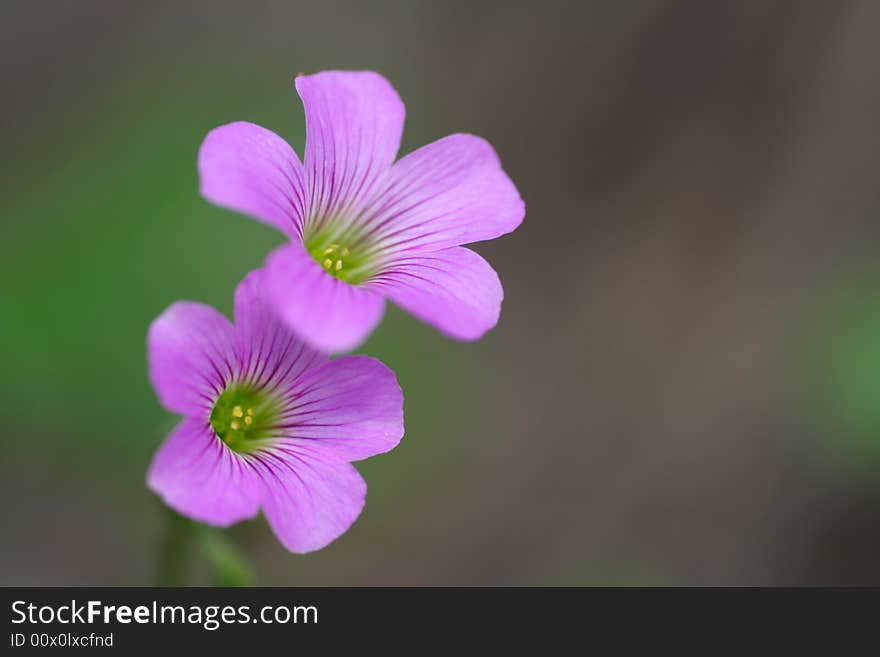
x=341, y=258
x=243, y=417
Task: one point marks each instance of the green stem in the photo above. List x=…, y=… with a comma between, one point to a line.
x=183, y=539
x=228, y=565
x=175, y=553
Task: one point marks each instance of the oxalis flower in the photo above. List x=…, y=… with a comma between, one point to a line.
x=363, y=227
x=270, y=423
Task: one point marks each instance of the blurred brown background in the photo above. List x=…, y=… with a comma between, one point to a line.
x=685, y=384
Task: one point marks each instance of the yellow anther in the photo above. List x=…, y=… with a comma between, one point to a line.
x=345, y=251
x=338, y=265
x=237, y=412
x=234, y=425
x=248, y=420
x=334, y=246
x=250, y=411
x=327, y=263
x=330, y=250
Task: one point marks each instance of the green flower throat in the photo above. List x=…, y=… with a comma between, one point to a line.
x=341, y=258
x=243, y=418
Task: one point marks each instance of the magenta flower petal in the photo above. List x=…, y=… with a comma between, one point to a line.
x=447, y=193
x=351, y=407
x=270, y=422
x=269, y=354
x=191, y=354
x=309, y=498
x=200, y=477
x=252, y=170
x=326, y=312
x=454, y=290
x=354, y=121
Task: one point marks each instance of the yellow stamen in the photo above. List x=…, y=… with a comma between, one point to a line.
x=345, y=251
x=338, y=265
x=248, y=420
x=327, y=263
x=234, y=425
x=250, y=411
x=334, y=246
x=237, y=412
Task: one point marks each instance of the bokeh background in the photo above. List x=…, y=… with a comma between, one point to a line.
x=685, y=384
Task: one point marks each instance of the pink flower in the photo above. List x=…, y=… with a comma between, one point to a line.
x=363, y=227
x=269, y=423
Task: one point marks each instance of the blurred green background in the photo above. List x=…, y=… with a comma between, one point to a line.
x=685, y=384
